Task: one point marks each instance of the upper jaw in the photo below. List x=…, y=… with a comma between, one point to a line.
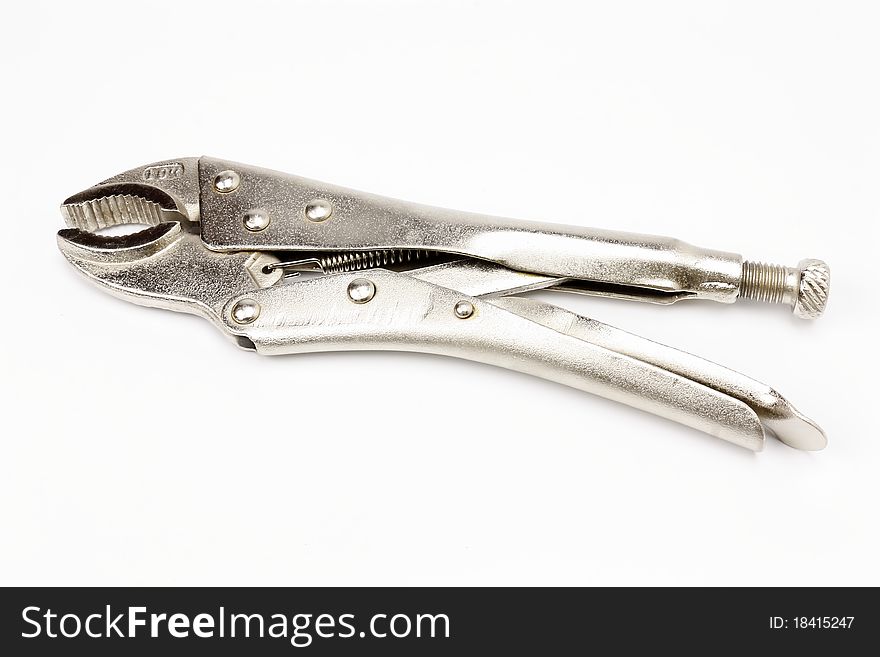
x=151, y=194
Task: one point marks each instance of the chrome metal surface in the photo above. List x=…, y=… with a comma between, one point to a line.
x=219, y=235
x=483, y=279
x=777, y=414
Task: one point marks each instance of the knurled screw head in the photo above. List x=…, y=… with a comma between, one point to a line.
x=813, y=287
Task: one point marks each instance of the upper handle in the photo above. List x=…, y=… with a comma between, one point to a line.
x=297, y=214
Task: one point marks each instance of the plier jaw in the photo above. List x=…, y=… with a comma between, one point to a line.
x=151, y=194
x=165, y=264
x=228, y=242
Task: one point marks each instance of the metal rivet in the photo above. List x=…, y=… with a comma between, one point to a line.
x=226, y=182
x=256, y=220
x=361, y=290
x=245, y=311
x=318, y=209
x=464, y=309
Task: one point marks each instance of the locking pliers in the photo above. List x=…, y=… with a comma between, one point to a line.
x=283, y=265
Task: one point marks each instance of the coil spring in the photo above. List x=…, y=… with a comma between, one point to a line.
x=333, y=263
x=358, y=260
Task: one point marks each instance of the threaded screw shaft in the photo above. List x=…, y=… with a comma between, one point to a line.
x=804, y=287
x=766, y=282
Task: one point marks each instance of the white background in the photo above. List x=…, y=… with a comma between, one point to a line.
x=141, y=447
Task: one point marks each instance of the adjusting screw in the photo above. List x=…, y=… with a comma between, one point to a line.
x=805, y=287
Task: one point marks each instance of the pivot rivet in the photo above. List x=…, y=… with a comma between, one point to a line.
x=245, y=311
x=318, y=209
x=361, y=290
x=226, y=181
x=464, y=309
x=256, y=220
